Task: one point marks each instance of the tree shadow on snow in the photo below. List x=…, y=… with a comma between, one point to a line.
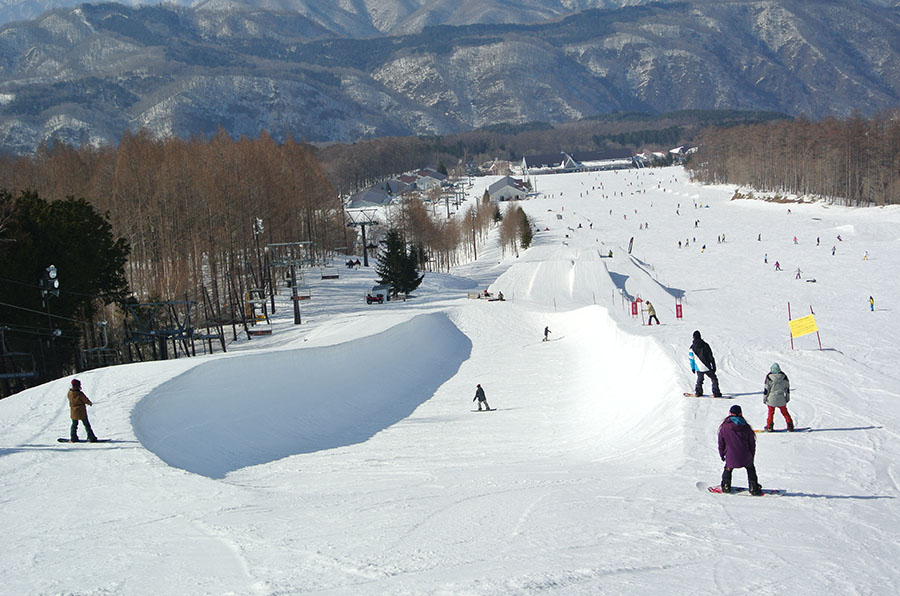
x=849, y=428
x=818, y=496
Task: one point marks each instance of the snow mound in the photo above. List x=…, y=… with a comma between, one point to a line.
x=566, y=280
x=236, y=412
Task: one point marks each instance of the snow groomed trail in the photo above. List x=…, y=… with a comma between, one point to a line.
x=341, y=456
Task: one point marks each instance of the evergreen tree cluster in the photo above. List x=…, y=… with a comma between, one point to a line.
x=397, y=265
x=90, y=262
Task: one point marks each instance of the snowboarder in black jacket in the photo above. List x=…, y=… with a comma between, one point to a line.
x=479, y=395
x=705, y=364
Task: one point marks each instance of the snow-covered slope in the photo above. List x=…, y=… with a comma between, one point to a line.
x=373, y=476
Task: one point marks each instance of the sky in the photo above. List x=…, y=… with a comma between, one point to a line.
x=343, y=455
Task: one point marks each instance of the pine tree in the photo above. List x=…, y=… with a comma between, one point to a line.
x=527, y=234
x=398, y=267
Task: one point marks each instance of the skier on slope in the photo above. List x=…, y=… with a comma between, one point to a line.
x=482, y=399
x=651, y=314
x=777, y=394
x=78, y=411
x=737, y=448
x=704, y=365
x=547, y=333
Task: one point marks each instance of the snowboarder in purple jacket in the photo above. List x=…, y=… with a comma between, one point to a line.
x=737, y=448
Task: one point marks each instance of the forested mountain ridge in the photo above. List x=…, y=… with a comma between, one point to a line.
x=364, y=18
x=89, y=73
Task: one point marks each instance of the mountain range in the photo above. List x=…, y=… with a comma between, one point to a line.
x=354, y=69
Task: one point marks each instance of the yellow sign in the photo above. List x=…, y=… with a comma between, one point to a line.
x=803, y=326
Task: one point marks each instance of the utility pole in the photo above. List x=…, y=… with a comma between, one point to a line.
x=294, y=297
x=49, y=285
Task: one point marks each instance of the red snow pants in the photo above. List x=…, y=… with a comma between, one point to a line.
x=784, y=412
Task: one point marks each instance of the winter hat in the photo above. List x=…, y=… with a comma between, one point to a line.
x=775, y=368
x=76, y=383
x=696, y=335
x=736, y=410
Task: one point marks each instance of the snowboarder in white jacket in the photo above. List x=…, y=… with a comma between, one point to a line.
x=777, y=394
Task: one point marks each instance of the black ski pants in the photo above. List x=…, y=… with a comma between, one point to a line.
x=698, y=388
x=751, y=477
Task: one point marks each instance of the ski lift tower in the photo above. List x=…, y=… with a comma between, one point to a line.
x=361, y=218
x=291, y=254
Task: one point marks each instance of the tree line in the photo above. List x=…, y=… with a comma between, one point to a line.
x=354, y=166
x=852, y=161
x=195, y=215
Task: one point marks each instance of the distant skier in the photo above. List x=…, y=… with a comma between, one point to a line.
x=546, y=333
x=871, y=304
x=798, y=273
x=737, y=448
x=77, y=411
x=833, y=249
x=777, y=394
x=652, y=314
x=479, y=395
x=705, y=365
x=777, y=266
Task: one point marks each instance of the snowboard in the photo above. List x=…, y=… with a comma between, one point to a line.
x=709, y=396
x=802, y=429
x=742, y=490
x=488, y=410
x=61, y=440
